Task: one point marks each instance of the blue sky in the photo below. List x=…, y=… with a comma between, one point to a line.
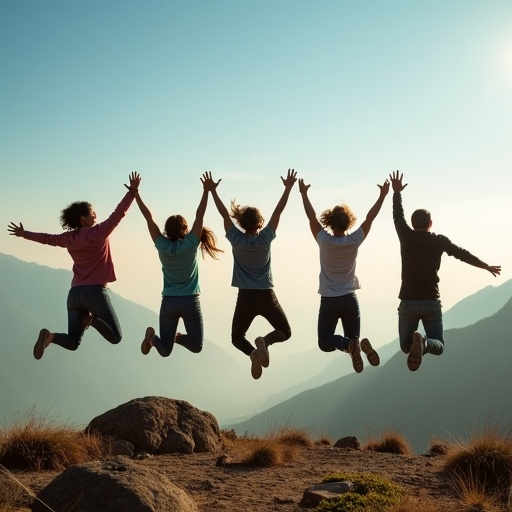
x=344, y=92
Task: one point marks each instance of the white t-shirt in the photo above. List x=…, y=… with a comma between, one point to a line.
x=338, y=256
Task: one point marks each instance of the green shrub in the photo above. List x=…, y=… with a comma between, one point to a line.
x=370, y=493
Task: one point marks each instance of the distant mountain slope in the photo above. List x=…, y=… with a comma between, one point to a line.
x=79, y=385
x=469, y=310
x=450, y=395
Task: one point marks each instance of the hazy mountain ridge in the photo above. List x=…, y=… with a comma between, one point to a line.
x=449, y=396
x=79, y=385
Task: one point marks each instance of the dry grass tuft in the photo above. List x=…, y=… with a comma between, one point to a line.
x=421, y=503
x=438, y=447
x=389, y=442
x=36, y=443
x=294, y=436
x=266, y=453
x=323, y=440
x=482, y=465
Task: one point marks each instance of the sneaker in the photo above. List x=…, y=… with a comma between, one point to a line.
x=416, y=352
x=256, y=369
x=371, y=355
x=354, y=350
x=44, y=339
x=146, y=342
x=263, y=354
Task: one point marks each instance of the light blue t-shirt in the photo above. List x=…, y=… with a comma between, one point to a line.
x=179, y=265
x=338, y=262
x=251, y=255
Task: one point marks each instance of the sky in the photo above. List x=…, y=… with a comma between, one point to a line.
x=343, y=92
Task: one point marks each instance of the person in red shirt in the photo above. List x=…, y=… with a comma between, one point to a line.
x=88, y=245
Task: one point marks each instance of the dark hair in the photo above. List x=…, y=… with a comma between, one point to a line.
x=176, y=228
x=420, y=219
x=70, y=216
x=248, y=217
x=339, y=218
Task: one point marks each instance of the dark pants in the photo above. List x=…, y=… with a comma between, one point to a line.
x=250, y=304
x=332, y=309
x=410, y=312
x=171, y=310
x=83, y=300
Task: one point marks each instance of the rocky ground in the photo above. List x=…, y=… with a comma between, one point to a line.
x=238, y=488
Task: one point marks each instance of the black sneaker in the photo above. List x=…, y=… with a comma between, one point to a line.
x=263, y=354
x=256, y=369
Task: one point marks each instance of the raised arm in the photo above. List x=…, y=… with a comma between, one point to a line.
x=314, y=224
x=153, y=229
x=208, y=186
x=288, y=183
x=220, y=206
x=375, y=209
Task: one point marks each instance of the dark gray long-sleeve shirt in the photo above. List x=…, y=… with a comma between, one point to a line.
x=421, y=253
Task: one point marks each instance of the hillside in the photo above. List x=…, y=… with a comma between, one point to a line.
x=448, y=396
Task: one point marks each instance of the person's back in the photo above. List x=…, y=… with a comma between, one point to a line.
x=421, y=252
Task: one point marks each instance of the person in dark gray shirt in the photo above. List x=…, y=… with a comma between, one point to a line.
x=421, y=252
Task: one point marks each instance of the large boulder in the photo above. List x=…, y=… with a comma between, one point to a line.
x=160, y=425
x=117, y=485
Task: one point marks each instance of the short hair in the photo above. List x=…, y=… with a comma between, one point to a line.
x=341, y=218
x=420, y=219
x=71, y=215
x=248, y=217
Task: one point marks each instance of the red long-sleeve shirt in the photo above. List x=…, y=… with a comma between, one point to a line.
x=89, y=247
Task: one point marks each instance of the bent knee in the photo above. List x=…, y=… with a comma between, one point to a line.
x=326, y=346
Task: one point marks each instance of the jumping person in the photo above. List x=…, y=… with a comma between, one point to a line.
x=177, y=250
x=421, y=252
x=87, y=243
x=338, y=281
x=252, y=275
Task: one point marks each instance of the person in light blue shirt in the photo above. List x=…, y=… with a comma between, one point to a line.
x=177, y=250
x=252, y=275
x=338, y=281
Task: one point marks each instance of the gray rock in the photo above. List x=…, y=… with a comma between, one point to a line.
x=118, y=485
x=329, y=491
x=160, y=425
x=348, y=442
x=122, y=447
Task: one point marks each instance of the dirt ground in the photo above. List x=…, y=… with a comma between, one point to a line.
x=238, y=488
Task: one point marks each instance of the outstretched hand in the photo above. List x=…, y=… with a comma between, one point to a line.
x=208, y=183
x=16, y=230
x=495, y=270
x=291, y=178
x=384, y=188
x=303, y=188
x=134, y=178
x=396, y=181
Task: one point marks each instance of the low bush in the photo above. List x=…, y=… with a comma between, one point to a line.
x=369, y=493
x=389, y=442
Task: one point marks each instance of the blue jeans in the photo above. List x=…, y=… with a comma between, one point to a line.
x=250, y=304
x=332, y=309
x=171, y=310
x=410, y=312
x=82, y=300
